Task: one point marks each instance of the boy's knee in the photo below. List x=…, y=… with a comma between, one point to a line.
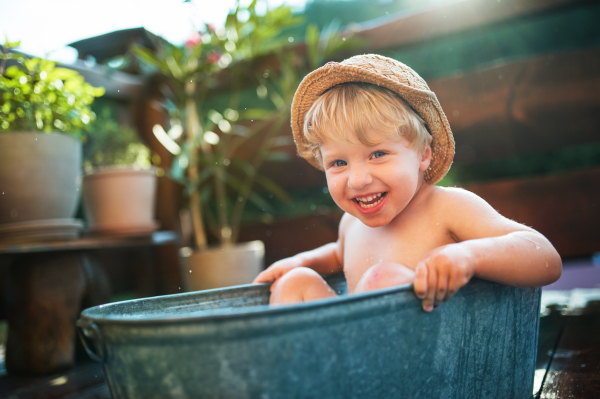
x=300, y=275
x=384, y=275
x=297, y=277
x=299, y=284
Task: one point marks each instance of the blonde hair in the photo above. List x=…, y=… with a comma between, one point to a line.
x=347, y=110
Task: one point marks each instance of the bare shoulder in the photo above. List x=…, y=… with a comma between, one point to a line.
x=469, y=216
x=451, y=197
x=442, y=201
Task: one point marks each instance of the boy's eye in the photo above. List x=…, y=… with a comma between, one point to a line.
x=339, y=163
x=378, y=154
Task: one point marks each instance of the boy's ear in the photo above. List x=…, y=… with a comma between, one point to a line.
x=425, y=159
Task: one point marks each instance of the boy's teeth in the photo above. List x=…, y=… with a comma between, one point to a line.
x=362, y=201
x=369, y=198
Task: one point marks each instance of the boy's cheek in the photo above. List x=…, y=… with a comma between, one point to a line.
x=343, y=206
x=334, y=191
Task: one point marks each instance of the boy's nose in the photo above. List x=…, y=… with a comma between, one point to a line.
x=359, y=178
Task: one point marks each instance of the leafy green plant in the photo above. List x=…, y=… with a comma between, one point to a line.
x=37, y=95
x=253, y=59
x=205, y=161
x=112, y=144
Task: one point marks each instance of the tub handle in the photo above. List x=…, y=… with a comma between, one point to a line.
x=89, y=332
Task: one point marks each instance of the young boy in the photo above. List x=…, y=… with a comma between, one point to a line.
x=372, y=124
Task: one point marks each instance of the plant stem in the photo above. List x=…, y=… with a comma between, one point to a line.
x=193, y=131
x=221, y=195
x=225, y=232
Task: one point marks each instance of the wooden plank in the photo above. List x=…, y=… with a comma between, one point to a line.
x=114, y=44
x=91, y=242
x=523, y=107
x=575, y=368
x=413, y=27
x=562, y=207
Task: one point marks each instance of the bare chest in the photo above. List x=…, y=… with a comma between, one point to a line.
x=406, y=245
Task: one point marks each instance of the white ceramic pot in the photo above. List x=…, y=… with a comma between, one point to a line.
x=120, y=201
x=223, y=266
x=40, y=176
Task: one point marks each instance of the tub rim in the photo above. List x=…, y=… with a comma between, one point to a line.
x=245, y=311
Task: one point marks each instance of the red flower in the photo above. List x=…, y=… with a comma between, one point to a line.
x=213, y=58
x=194, y=40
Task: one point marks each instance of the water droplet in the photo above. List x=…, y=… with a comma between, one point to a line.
x=190, y=271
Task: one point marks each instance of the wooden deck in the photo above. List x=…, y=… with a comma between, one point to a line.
x=568, y=359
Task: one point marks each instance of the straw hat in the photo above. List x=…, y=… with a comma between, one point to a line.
x=388, y=73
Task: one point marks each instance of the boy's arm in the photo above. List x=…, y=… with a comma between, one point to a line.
x=488, y=246
x=324, y=260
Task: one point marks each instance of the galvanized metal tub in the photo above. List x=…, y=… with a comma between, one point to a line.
x=228, y=343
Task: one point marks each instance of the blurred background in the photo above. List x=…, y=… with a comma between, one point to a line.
x=198, y=92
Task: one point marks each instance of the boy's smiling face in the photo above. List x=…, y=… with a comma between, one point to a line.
x=373, y=183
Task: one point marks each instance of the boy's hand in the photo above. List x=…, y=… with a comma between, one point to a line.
x=277, y=270
x=441, y=273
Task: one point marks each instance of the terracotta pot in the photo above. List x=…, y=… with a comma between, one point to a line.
x=223, y=266
x=120, y=201
x=40, y=176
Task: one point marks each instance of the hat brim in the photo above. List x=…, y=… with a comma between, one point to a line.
x=424, y=102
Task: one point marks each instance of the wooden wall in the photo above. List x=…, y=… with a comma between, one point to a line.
x=526, y=106
x=514, y=108
x=564, y=207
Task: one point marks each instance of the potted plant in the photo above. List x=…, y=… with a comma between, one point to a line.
x=219, y=181
x=119, y=184
x=44, y=114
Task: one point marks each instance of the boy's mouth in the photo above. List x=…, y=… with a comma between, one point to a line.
x=370, y=201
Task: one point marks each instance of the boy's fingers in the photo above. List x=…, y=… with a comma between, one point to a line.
x=273, y=285
x=265, y=277
x=441, y=290
x=451, y=287
x=260, y=278
x=420, y=284
x=432, y=280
